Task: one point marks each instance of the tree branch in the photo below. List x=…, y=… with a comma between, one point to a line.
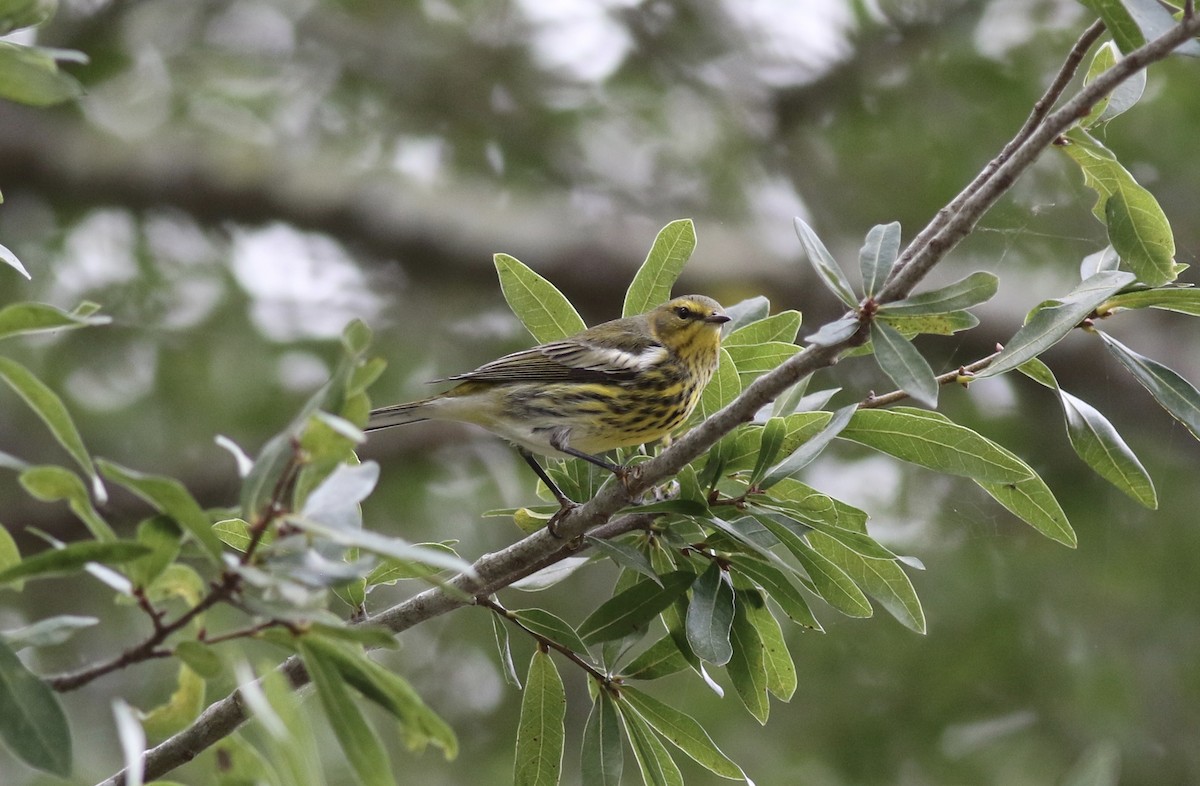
x=500, y=569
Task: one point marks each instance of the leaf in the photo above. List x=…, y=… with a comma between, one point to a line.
x=780, y=327
x=723, y=388
x=931, y=324
x=781, y=671
x=882, y=579
x=49, y=407
x=774, y=434
x=47, y=632
x=878, y=255
x=1123, y=96
x=336, y=501
x=1032, y=501
x=602, y=757
x=385, y=546
x=1049, y=324
x=507, y=667
x=629, y=610
x=660, y=659
x=744, y=313
x=24, y=318
x=540, y=734
x=709, y=616
x=906, y=367
x=1138, y=230
x=1178, y=299
x=161, y=535
x=30, y=75
x=810, y=449
x=10, y=259
x=235, y=533
x=178, y=711
x=979, y=287
x=133, y=742
x=747, y=669
x=388, y=690
x=654, y=761
x=19, y=14
x=50, y=484
x=830, y=581
x=1139, y=218
x=70, y=558
x=1101, y=448
x=836, y=331
x=934, y=443
x=824, y=264
x=754, y=360
x=200, y=658
x=168, y=496
x=32, y=723
x=547, y=625
x=682, y=731
x=856, y=541
x=651, y=285
x=1172, y=392
x=776, y=585
x=626, y=555
x=1134, y=22
x=363, y=748
x=542, y=309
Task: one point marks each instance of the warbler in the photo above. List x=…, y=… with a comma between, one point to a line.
x=621, y=383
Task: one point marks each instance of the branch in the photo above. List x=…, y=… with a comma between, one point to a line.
x=500, y=569
x=544, y=642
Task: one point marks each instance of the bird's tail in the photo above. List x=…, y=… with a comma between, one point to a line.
x=397, y=415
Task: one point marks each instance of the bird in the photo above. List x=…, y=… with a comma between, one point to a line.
x=622, y=383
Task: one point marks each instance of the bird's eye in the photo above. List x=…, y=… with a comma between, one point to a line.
x=682, y=312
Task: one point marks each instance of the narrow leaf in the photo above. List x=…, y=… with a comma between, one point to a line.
x=551, y=627
x=661, y=659
x=882, y=579
x=651, y=285
x=709, y=616
x=780, y=327
x=602, y=757
x=1032, y=501
x=24, y=318
x=49, y=483
x=540, y=732
x=723, y=388
x=979, y=287
x=747, y=669
x=1172, y=392
x=30, y=75
x=878, y=254
x=32, y=723
x=810, y=449
x=901, y=361
x=781, y=671
x=776, y=585
x=682, y=731
x=823, y=262
x=1051, y=323
x=654, y=761
x=1179, y=299
x=168, y=496
x=836, y=331
x=47, y=632
x=542, y=309
x=133, y=742
x=72, y=557
x=1138, y=230
x=504, y=650
x=1102, y=449
x=629, y=610
x=626, y=555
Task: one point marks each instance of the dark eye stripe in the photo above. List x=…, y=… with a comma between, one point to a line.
x=683, y=312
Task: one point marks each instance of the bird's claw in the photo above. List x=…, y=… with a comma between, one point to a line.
x=552, y=525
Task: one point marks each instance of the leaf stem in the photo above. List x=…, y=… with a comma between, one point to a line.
x=488, y=603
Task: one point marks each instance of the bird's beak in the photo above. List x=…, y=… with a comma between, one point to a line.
x=717, y=319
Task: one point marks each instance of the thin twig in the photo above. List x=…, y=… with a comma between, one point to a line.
x=887, y=399
x=567, y=652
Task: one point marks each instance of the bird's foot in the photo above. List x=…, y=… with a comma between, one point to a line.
x=566, y=507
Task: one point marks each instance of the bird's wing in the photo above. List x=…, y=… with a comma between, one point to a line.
x=581, y=358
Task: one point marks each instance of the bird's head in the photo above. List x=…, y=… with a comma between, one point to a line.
x=689, y=324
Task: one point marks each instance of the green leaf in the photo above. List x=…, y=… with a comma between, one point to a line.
x=32, y=723
x=235, y=533
x=723, y=388
x=19, y=14
x=602, y=757
x=1039, y=372
x=386, y=689
x=1032, y=501
x=547, y=625
x=776, y=585
x=830, y=581
x=661, y=659
x=364, y=633
x=882, y=579
x=1122, y=98
x=682, y=731
x=754, y=360
x=1179, y=299
x=1053, y=320
x=906, y=367
x=168, y=496
x=878, y=255
x=49, y=407
x=823, y=262
x=72, y=557
x=542, y=309
x=51, y=484
x=540, y=734
x=747, y=669
x=626, y=555
x=47, y=632
x=629, y=610
x=1138, y=227
x=24, y=318
x=1138, y=230
x=836, y=331
x=654, y=761
x=853, y=539
x=1101, y=448
x=10, y=259
x=363, y=748
x=383, y=545
x=931, y=324
x=709, y=616
x=507, y=667
x=161, y=535
x=781, y=327
x=774, y=434
x=810, y=449
x=178, y=711
x=934, y=443
x=781, y=671
x=1133, y=22
x=979, y=287
x=200, y=658
x=9, y=555
x=30, y=75
x=651, y=285
x=1172, y=392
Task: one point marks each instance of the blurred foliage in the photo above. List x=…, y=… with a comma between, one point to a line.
x=241, y=179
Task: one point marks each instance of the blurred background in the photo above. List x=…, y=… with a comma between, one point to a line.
x=244, y=177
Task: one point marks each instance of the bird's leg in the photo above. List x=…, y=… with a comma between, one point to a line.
x=559, y=441
x=566, y=504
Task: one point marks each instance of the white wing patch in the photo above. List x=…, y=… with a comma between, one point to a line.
x=611, y=359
